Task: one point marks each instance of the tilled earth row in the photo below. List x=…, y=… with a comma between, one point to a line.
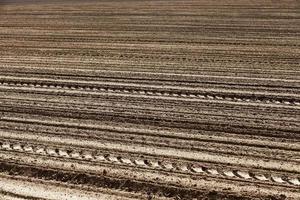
x=157, y=99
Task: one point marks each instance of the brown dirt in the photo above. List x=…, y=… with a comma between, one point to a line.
x=163, y=99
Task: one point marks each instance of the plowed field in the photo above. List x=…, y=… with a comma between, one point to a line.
x=158, y=99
